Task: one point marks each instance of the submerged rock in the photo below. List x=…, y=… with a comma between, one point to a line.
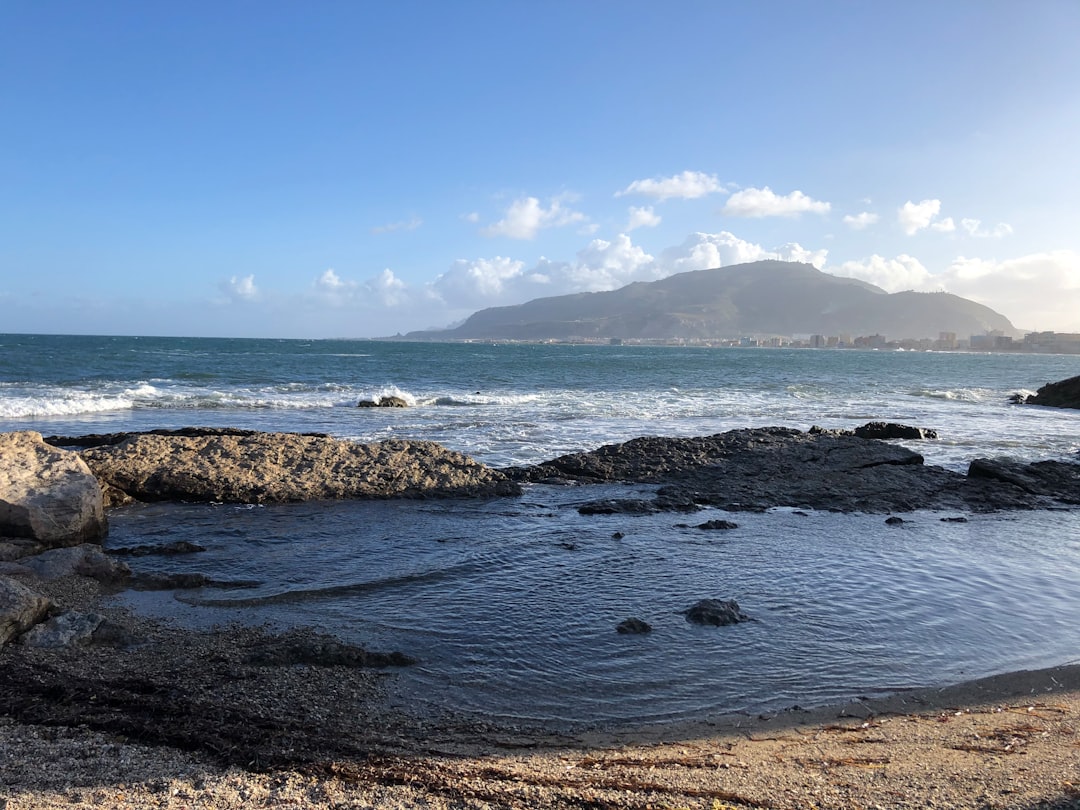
x=167, y=549
x=716, y=612
x=274, y=467
x=633, y=626
x=47, y=494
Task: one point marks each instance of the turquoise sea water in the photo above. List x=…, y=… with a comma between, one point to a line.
x=511, y=604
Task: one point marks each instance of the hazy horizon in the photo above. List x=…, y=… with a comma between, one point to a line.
x=359, y=170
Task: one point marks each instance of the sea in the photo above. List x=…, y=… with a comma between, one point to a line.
x=510, y=605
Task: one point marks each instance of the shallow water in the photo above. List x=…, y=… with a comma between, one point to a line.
x=511, y=605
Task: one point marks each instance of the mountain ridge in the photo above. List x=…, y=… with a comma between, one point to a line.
x=757, y=298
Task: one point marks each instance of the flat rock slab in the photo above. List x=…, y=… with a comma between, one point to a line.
x=47, y=494
x=756, y=469
x=278, y=467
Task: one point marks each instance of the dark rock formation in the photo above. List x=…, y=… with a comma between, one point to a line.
x=86, y=560
x=717, y=525
x=1063, y=394
x=633, y=626
x=383, y=402
x=891, y=430
x=274, y=467
x=894, y=521
x=716, y=612
x=102, y=439
x=760, y=468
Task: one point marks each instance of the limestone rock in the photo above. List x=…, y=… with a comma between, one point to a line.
x=87, y=560
x=20, y=609
x=47, y=494
x=274, y=467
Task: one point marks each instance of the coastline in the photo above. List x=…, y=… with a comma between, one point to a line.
x=305, y=736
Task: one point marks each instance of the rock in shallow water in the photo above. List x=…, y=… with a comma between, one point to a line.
x=715, y=612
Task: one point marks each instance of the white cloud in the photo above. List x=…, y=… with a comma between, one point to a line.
x=642, y=218
x=472, y=217
x=388, y=289
x=687, y=186
x=974, y=228
x=914, y=217
x=479, y=282
x=704, y=251
x=330, y=281
x=794, y=252
x=240, y=288
x=892, y=275
x=943, y=225
x=405, y=225
x=1038, y=291
x=764, y=202
x=526, y=217
x=859, y=222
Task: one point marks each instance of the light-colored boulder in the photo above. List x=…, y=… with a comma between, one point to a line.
x=20, y=609
x=267, y=467
x=87, y=560
x=46, y=493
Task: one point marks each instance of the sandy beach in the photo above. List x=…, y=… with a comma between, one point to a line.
x=198, y=719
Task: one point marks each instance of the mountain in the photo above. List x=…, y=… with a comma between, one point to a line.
x=758, y=298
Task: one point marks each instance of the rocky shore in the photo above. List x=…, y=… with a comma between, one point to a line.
x=101, y=708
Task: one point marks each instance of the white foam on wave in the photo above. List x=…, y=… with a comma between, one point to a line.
x=70, y=403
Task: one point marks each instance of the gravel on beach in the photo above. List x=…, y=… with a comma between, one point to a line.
x=188, y=719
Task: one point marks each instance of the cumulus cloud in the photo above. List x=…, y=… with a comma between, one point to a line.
x=943, y=225
x=405, y=225
x=240, y=288
x=704, y=251
x=914, y=217
x=861, y=221
x=687, y=186
x=892, y=275
x=478, y=282
x=764, y=202
x=526, y=217
x=642, y=218
x=974, y=228
x=1038, y=291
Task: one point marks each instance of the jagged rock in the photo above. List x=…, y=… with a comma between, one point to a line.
x=716, y=612
x=383, y=402
x=20, y=609
x=272, y=467
x=752, y=470
x=1054, y=479
x=87, y=560
x=892, y=430
x=1062, y=394
x=168, y=549
x=47, y=494
x=633, y=626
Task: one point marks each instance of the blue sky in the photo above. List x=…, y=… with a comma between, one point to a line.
x=355, y=169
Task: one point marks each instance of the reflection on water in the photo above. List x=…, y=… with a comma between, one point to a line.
x=511, y=605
